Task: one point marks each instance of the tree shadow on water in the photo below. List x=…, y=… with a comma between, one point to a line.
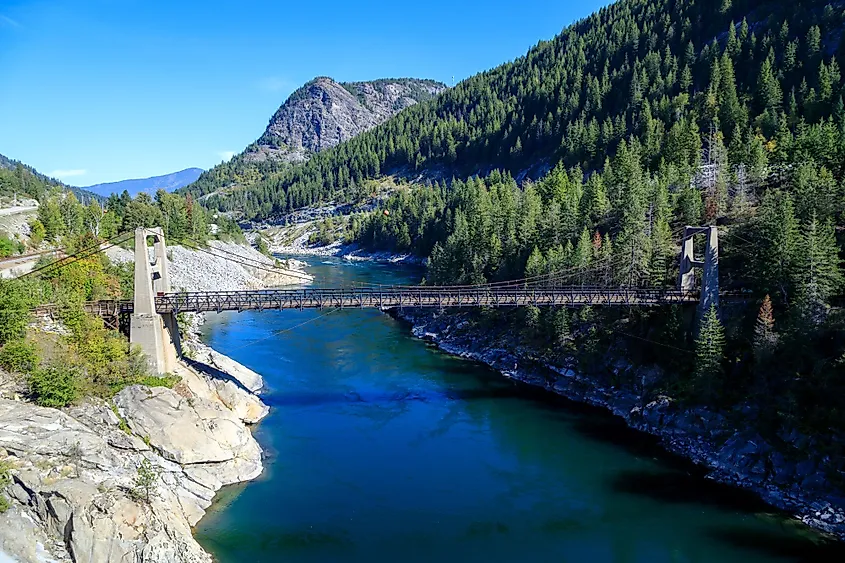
x=676, y=487
x=801, y=548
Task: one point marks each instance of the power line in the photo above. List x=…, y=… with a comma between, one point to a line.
x=80, y=255
x=246, y=262
x=649, y=340
x=283, y=331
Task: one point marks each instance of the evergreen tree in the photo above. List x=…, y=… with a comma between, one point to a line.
x=776, y=240
x=819, y=273
x=709, y=352
x=765, y=338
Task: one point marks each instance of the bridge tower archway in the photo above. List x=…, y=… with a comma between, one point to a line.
x=709, y=266
x=157, y=335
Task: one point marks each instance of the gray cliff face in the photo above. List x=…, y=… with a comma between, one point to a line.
x=324, y=113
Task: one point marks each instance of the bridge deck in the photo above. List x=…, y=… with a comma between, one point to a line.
x=386, y=298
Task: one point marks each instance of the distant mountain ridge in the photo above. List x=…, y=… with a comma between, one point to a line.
x=166, y=182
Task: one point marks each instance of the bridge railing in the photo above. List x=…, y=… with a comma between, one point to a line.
x=389, y=297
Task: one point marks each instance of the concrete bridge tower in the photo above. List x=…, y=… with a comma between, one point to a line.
x=710, y=266
x=156, y=335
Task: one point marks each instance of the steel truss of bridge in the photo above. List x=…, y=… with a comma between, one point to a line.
x=388, y=298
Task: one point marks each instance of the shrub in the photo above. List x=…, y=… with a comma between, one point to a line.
x=54, y=385
x=5, y=479
x=262, y=246
x=146, y=481
x=7, y=246
x=16, y=299
x=37, y=233
x=19, y=356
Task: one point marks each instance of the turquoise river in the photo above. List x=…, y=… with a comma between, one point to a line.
x=379, y=448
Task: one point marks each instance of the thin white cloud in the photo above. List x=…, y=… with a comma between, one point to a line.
x=226, y=155
x=68, y=173
x=275, y=84
x=7, y=21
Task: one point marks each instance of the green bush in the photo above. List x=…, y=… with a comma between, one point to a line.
x=146, y=482
x=54, y=386
x=5, y=479
x=19, y=356
x=16, y=300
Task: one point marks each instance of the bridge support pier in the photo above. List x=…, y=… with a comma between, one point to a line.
x=710, y=267
x=156, y=335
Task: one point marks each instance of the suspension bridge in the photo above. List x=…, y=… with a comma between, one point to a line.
x=152, y=312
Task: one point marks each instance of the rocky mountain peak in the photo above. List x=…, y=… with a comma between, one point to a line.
x=323, y=113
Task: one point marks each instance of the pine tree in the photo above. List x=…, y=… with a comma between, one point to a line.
x=814, y=37
x=769, y=93
x=819, y=274
x=583, y=255
x=560, y=325
x=765, y=339
x=730, y=111
x=777, y=240
x=536, y=264
x=709, y=351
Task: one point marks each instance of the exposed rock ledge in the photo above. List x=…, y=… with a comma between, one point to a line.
x=74, y=470
x=733, y=454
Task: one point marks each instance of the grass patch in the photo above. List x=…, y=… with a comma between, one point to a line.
x=121, y=422
x=166, y=380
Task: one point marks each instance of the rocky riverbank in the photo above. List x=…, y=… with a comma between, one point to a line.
x=732, y=453
x=295, y=239
x=352, y=252
x=76, y=486
x=127, y=479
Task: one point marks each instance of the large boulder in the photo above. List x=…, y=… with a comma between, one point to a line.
x=187, y=430
x=234, y=384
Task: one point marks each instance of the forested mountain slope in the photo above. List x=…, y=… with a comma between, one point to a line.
x=25, y=181
x=649, y=115
x=316, y=117
x=664, y=71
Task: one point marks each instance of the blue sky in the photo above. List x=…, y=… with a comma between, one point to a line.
x=104, y=90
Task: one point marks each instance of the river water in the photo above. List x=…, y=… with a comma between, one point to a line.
x=380, y=449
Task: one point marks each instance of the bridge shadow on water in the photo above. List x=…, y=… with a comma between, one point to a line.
x=312, y=398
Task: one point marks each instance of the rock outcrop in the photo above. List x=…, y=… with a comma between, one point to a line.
x=324, y=113
x=73, y=474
